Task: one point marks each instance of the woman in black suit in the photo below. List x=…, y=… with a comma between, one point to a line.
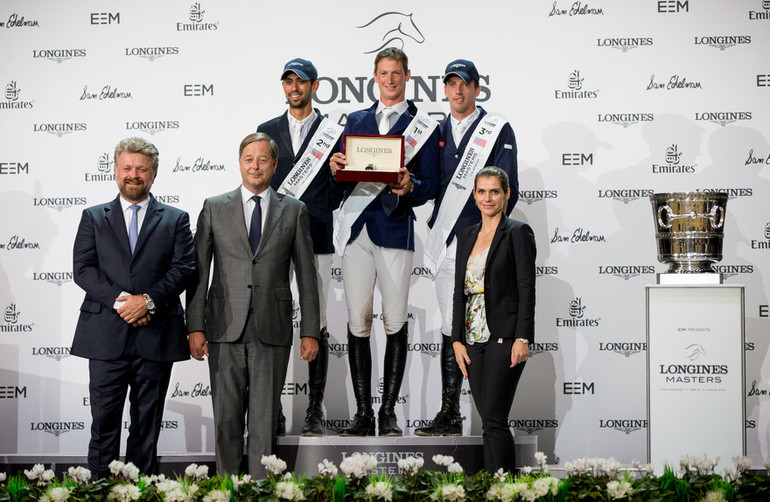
x=494, y=311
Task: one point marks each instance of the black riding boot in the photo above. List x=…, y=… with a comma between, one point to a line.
x=395, y=364
x=317, y=368
x=448, y=421
x=360, y=359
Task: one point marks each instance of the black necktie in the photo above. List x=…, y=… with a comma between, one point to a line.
x=255, y=231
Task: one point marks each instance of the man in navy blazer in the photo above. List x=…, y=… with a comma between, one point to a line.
x=133, y=257
x=376, y=240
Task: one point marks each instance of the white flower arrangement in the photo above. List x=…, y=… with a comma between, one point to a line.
x=597, y=467
x=443, y=460
x=358, y=465
x=217, y=496
x=448, y=492
x=55, y=494
x=273, y=464
x=618, y=489
x=2, y=477
x=454, y=468
x=198, y=472
x=410, y=465
x=714, y=496
x=379, y=489
x=767, y=464
x=79, y=474
x=327, y=468
x=541, y=458
x=289, y=490
x=128, y=471
x=703, y=464
x=742, y=464
x=238, y=481
x=124, y=493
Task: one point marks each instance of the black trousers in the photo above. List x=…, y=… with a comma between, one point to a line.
x=493, y=385
x=109, y=382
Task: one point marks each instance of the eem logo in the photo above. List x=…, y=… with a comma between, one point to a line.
x=625, y=195
x=56, y=428
x=57, y=278
x=14, y=168
x=625, y=119
x=673, y=6
x=532, y=196
x=624, y=425
x=578, y=388
x=13, y=392
x=98, y=18
x=294, y=389
x=198, y=90
x=577, y=159
x=763, y=80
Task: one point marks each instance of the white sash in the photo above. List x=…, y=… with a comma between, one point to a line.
x=479, y=148
x=415, y=136
x=312, y=159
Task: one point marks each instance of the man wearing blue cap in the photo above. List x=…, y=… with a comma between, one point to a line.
x=305, y=138
x=471, y=138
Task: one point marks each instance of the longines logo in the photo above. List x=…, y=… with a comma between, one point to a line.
x=16, y=243
x=197, y=390
x=624, y=425
x=626, y=349
x=152, y=53
x=531, y=425
x=673, y=163
x=337, y=274
x=336, y=425
x=60, y=129
x=754, y=159
x=733, y=270
x=59, y=203
x=543, y=271
x=17, y=21
x=580, y=235
x=429, y=349
x=540, y=348
x=12, y=93
x=756, y=390
x=732, y=193
x=576, y=9
x=624, y=44
x=59, y=55
x=11, y=322
x=625, y=195
x=57, y=353
x=164, y=425
x=762, y=244
x=13, y=392
x=104, y=168
x=195, y=15
x=56, y=428
x=294, y=389
x=692, y=372
x=167, y=199
x=338, y=350
x=575, y=86
x=626, y=272
x=722, y=118
x=762, y=15
x=152, y=126
x=625, y=119
x=532, y=196
x=199, y=165
x=675, y=82
x=57, y=278
x=723, y=42
x=423, y=272
x=14, y=167
x=106, y=92
x=577, y=317
x=390, y=29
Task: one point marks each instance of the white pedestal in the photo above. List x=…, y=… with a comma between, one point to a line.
x=695, y=373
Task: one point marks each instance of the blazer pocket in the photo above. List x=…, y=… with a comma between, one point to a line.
x=91, y=307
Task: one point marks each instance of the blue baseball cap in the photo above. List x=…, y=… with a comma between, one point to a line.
x=302, y=67
x=464, y=69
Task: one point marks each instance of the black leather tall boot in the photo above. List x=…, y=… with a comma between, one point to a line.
x=360, y=359
x=395, y=364
x=448, y=421
x=317, y=369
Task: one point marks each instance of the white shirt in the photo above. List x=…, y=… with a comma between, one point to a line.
x=399, y=108
x=128, y=213
x=249, y=205
x=303, y=126
x=460, y=127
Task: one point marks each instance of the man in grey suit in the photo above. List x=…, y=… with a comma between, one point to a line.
x=243, y=320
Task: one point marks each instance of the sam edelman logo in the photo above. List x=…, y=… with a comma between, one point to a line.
x=762, y=244
x=338, y=350
x=577, y=317
x=625, y=119
x=532, y=196
x=11, y=322
x=198, y=165
x=755, y=390
x=532, y=425
x=724, y=41
x=60, y=129
x=104, y=169
x=757, y=159
x=674, y=82
x=12, y=101
x=390, y=29
x=57, y=278
x=423, y=272
x=576, y=9
x=579, y=236
x=624, y=44
x=546, y=270
x=432, y=349
x=105, y=93
x=17, y=21
x=151, y=53
x=626, y=349
x=57, y=353
x=722, y=118
x=16, y=243
x=626, y=195
x=195, y=16
x=673, y=163
x=59, y=55
x=152, y=126
x=59, y=203
x=728, y=271
x=575, y=88
x=541, y=348
x=760, y=15
x=626, y=272
x=197, y=390
x=56, y=428
x=624, y=425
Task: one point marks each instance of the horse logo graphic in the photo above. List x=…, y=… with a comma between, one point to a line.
x=394, y=28
x=694, y=351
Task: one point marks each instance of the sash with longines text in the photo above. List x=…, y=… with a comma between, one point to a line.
x=312, y=159
x=415, y=136
x=479, y=148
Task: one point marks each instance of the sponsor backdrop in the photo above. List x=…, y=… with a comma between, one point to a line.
x=610, y=102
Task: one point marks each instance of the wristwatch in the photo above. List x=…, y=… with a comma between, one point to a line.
x=150, y=304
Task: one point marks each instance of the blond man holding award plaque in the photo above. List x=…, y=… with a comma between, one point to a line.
x=374, y=232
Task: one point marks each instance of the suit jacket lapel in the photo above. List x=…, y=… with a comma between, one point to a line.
x=284, y=135
x=235, y=210
x=113, y=213
x=151, y=220
x=274, y=210
x=370, y=120
x=497, y=238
